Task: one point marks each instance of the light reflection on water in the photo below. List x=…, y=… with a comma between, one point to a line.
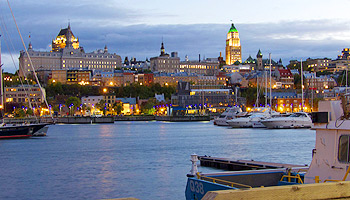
x=146, y=160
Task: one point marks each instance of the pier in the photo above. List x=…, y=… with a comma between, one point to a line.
x=238, y=165
x=183, y=118
x=84, y=120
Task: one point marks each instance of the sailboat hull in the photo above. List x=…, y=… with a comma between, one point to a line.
x=22, y=131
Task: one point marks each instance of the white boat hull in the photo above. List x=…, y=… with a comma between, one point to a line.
x=287, y=124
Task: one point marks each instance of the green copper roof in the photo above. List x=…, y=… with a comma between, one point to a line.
x=233, y=29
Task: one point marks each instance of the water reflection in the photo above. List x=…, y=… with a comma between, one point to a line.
x=146, y=160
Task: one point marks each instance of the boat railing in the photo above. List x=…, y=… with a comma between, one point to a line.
x=228, y=183
x=289, y=177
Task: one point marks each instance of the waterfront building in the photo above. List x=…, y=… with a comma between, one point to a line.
x=20, y=94
x=67, y=55
x=164, y=62
x=109, y=99
x=288, y=102
x=91, y=101
x=130, y=106
x=186, y=97
x=233, y=46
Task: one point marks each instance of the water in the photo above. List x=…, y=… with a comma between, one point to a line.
x=145, y=160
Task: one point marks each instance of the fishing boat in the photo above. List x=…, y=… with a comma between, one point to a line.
x=326, y=178
x=228, y=114
x=295, y=120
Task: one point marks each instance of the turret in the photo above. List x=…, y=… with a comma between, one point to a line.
x=162, y=50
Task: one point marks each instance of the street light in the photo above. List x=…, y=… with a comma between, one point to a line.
x=104, y=90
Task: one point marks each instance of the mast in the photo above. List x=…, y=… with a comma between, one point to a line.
x=2, y=88
x=346, y=80
x=265, y=87
x=270, y=86
x=257, y=90
x=302, y=84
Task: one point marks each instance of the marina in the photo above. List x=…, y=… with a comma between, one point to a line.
x=140, y=159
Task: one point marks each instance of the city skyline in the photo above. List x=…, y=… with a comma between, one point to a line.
x=137, y=31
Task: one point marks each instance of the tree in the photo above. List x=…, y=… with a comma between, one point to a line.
x=102, y=106
x=19, y=112
x=73, y=103
x=148, y=107
x=29, y=112
x=297, y=81
x=118, y=107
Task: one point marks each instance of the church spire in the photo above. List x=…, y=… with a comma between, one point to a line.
x=162, y=49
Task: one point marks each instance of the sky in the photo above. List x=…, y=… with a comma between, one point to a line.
x=288, y=30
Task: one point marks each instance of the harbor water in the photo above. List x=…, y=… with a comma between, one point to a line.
x=145, y=160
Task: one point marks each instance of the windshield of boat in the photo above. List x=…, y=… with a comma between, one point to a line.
x=297, y=115
x=222, y=116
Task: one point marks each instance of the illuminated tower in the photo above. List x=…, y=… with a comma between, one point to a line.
x=233, y=46
x=260, y=61
x=65, y=38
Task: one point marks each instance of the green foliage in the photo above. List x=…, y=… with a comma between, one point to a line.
x=341, y=80
x=102, y=106
x=19, y=112
x=29, y=112
x=118, y=107
x=147, y=108
x=250, y=95
x=297, y=66
x=297, y=81
x=144, y=92
x=55, y=89
x=133, y=90
x=73, y=100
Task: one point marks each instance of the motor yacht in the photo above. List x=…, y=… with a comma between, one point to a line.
x=228, y=114
x=253, y=119
x=295, y=120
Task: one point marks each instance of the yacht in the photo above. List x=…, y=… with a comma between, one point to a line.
x=295, y=120
x=228, y=114
x=327, y=177
x=252, y=120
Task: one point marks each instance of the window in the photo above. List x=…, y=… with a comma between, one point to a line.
x=343, y=151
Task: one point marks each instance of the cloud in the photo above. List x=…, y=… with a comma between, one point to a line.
x=105, y=25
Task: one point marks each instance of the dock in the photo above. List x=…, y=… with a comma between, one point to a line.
x=238, y=165
x=183, y=118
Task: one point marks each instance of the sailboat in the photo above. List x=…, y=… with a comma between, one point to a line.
x=23, y=130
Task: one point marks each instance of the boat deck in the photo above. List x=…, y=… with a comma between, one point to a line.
x=238, y=165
